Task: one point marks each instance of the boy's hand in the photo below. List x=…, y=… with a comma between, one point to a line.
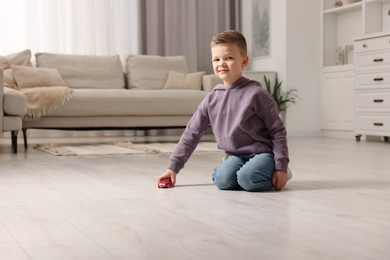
x=279, y=179
x=168, y=174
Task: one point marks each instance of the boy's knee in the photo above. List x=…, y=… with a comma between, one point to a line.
x=224, y=181
x=252, y=182
x=221, y=183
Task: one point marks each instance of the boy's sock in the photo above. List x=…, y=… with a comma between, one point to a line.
x=289, y=174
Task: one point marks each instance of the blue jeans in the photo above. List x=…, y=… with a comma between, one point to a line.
x=250, y=174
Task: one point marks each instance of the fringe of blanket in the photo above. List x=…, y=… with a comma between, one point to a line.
x=35, y=113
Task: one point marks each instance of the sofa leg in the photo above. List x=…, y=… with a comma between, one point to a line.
x=24, y=130
x=14, y=141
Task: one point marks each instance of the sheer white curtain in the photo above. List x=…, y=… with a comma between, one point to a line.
x=89, y=27
x=103, y=27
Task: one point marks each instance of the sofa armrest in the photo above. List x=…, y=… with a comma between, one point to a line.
x=14, y=102
x=210, y=81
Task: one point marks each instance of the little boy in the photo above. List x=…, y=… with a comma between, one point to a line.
x=245, y=121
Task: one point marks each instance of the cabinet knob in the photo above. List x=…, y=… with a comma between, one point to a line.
x=364, y=45
x=378, y=60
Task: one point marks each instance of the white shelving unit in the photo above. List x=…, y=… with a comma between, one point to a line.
x=341, y=26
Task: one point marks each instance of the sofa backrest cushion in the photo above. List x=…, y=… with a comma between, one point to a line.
x=21, y=58
x=151, y=72
x=85, y=71
x=4, y=63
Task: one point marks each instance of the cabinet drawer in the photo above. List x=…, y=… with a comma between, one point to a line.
x=373, y=44
x=376, y=79
x=373, y=123
x=377, y=101
x=376, y=61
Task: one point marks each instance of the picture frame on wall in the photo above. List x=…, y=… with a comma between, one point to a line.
x=260, y=28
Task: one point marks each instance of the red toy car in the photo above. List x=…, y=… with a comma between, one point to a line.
x=165, y=183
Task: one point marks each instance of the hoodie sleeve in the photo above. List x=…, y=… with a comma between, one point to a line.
x=269, y=112
x=194, y=131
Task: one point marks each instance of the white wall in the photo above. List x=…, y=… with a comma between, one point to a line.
x=295, y=56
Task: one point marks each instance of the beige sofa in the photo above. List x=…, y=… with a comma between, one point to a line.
x=152, y=92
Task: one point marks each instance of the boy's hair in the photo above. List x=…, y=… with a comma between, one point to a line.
x=230, y=36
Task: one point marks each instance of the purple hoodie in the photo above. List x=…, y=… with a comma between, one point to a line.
x=245, y=121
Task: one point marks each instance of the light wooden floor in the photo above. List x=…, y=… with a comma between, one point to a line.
x=337, y=206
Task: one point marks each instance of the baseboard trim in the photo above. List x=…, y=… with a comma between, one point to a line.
x=343, y=134
x=303, y=134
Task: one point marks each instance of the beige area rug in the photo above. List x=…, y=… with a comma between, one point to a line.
x=118, y=148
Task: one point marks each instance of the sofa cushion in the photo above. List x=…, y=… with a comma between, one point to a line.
x=21, y=58
x=3, y=63
x=85, y=71
x=15, y=102
x=150, y=72
x=18, y=58
x=177, y=80
x=9, y=80
x=118, y=102
x=29, y=77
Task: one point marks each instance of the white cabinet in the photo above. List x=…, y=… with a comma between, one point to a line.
x=341, y=25
x=337, y=99
x=372, y=85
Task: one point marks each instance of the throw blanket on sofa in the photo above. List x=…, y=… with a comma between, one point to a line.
x=43, y=100
x=44, y=88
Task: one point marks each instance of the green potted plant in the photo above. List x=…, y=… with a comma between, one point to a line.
x=283, y=98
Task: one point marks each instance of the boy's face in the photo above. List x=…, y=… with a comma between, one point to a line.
x=228, y=62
